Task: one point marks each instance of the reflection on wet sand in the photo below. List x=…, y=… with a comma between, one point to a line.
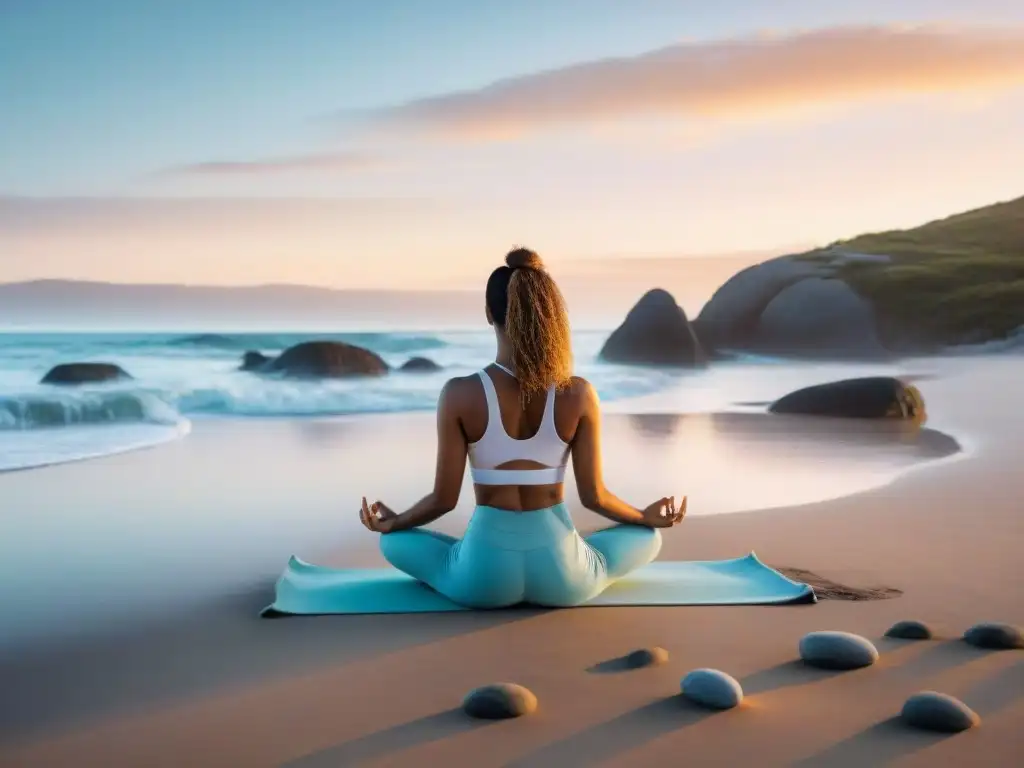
x=799, y=433
x=730, y=462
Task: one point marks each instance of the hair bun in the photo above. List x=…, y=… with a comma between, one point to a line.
x=523, y=258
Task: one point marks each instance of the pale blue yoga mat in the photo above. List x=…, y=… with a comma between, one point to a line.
x=310, y=589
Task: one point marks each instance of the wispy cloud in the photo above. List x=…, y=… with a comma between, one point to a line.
x=325, y=162
x=743, y=78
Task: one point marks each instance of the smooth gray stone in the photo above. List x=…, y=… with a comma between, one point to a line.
x=909, y=630
x=837, y=650
x=712, y=688
x=933, y=711
x=499, y=701
x=646, y=657
x=995, y=636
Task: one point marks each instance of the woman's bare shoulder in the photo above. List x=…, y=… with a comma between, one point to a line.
x=581, y=388
x=580, y=392
x=461, y=390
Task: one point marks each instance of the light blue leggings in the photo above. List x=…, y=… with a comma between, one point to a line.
x=506, y=558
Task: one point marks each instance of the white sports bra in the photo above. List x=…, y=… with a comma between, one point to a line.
x=496, y=447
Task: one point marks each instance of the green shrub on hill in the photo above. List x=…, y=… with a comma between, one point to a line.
x=953, y=281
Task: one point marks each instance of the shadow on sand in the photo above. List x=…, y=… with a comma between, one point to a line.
x=878, y=744
x=626, y=732
x=373, y=746
x=786, y=675
x=74, y=680
x=615, y=666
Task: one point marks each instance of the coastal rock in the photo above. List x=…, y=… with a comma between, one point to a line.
x=933, y=711
x=837, y=650
x=254, y=361
x=731, y=316
x=873, y=397
x=646, y=657
x=84, y=373
x=320, y=360
x=712, y=689
x=818, y=317
x=499, y=701
x=420, y=365
x=909, y=630
x=655, y=332
x=995, y=636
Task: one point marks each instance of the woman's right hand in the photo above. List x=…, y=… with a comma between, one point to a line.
x=377, y=517
x=664, y=513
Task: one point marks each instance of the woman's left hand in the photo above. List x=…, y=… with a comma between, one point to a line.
x=377, y=517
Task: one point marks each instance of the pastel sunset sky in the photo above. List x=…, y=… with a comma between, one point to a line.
x=409, y=143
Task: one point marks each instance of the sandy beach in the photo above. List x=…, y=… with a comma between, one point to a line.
x=151, y=665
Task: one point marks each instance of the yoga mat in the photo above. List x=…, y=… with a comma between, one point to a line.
x=306, y=589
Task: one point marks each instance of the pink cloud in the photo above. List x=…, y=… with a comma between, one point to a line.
x=735, y=78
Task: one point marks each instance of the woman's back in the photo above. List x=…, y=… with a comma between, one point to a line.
x=517, y=450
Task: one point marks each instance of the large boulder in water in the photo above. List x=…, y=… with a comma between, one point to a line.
x=254, y=361
x=326, y=359
x=84, y=373
x=420, y=365
x=655, y=332
x=874, y=397
x=818, y=317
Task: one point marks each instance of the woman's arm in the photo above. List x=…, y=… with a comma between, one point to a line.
x=451, y=467
x=586, y=465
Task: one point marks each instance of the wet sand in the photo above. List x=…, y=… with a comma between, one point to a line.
x=195, y=678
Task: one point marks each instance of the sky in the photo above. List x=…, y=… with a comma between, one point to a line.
x=409, y=144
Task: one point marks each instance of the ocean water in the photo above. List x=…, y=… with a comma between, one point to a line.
x=178, y=377
x=181, y=377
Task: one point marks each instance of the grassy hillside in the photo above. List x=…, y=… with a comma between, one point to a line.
x=956, y=280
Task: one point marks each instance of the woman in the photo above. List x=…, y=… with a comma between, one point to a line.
x=517, y=421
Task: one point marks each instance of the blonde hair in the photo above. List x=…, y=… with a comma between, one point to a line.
x=525, y=301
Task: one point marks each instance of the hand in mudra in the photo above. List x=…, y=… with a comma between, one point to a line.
x=377, y=517
x=664, y=513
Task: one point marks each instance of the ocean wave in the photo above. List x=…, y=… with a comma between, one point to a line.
x=32, y=449
x=299, y=399
x=84, y=408
x=235, y=393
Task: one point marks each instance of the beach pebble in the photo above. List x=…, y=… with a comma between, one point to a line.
x=646, y=657
x=909, y=630
x=712, y=688
x=499, y=701
x=837, y=650
x=995, y=636
x=933, y=711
